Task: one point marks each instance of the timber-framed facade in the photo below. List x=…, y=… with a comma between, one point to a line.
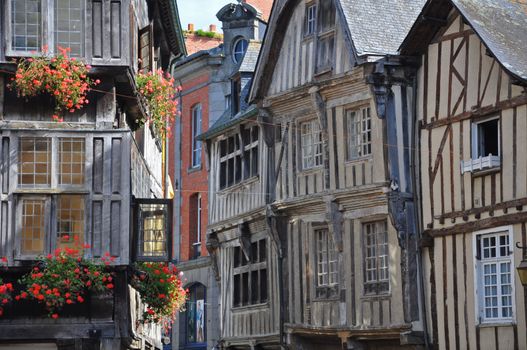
x=98, y=175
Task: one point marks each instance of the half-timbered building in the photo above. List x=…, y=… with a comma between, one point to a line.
x=341, y=228
x=96, y=176
x=471, y=114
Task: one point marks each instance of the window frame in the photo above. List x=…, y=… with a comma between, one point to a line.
x=47, y=30
x=314, y=155
x=137, y=231
x=478, y=280
x=330, y=259
x=237, y=41
x=484, y=162
x=197, y=146
x=377, y=283
x=196, y=208
x=238, y=154
x=356, y=138
x=50, y=193
x=249, y=267
x=475, y=137
x=311, y=10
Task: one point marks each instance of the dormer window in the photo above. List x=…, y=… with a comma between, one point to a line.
x=239, y=49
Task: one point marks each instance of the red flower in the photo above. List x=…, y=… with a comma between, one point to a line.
x=40, y=297
x=5, y=301
x=55, y=316
x=88, y=283
x=69, y=301
x=80, y=299
x=17, y=298
x=109, y=286
x=23, y=295
x=150, y=311
x=4, y=259
x=161, y=296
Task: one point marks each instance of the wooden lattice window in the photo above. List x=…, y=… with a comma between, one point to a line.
x=239, y=161
x=146, y=48
x=69, y=26
x=250, y=275
x=376, y=268
x=34, y=162
x=358, y=130
x=26, y=25
x=311, y=144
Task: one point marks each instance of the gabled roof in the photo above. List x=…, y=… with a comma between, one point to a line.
x=500, y=24
x=373, y=27
x=378, y=27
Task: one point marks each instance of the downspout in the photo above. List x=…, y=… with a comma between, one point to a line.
x=416, y=184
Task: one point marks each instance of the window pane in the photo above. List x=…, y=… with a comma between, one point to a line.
x=26, y=25
x=196, y=131
x=34, y=162
x=153, y=240
x=71, y=161
x=33, y=226
x=69, y=25
x=376, y=265
x=70, y=219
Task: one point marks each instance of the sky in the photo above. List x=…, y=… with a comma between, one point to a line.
x=200, y=12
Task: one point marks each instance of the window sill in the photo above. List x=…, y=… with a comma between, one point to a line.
x=308, y=37
x=311, y=170
x=194, y=169
x=480, y=164
x=323, y=71
x=239, y=186
x=252, y=307
x=367, y=158
x=385, y=295
x=50, y=191
x=492, y=324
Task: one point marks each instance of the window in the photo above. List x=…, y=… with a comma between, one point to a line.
x=494, y=276
x=153, y=217
x=239, y=49
x=326, y=37
x=26, y=25
x=196, y=131
x=327, y=263
x=250, y=275
x=376, y=273
x=39, y=212
x=236, y=165
x=195, y=315
x=146, y=53
x=485, y=146
x=311, y=19
x=67, y=28
x=236, y=89
x=311, y=144
x=195, y=225
x=358, y=129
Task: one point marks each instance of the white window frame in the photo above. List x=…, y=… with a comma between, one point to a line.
x=358, y=133
x=477, y=161
x=478, y=282
x=311, y=19
x=380, y=263
x=47, y=30
x=311, y=146
x=327, y=259
x=196, y=120
x=243, y=50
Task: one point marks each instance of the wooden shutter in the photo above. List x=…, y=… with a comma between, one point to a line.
x=110, y=205
x=146, y=48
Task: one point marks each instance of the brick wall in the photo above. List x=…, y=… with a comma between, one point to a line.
x=193, y=181
x=264, y=6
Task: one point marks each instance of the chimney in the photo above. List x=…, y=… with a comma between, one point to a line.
x=212, y=28
x=191, y=27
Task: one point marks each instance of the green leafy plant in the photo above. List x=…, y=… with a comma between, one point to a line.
x=62, y=77
x=64, y=278
x=160, y=94
x=161, y=290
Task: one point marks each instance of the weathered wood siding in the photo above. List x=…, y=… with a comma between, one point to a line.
x=352, y=310
x=248, y=321
x=242, y=198
x=338, y=173
x=296, y=64
x=459, y=83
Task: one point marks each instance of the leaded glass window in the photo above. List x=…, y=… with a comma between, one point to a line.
x=69, y=25
x=26, y=25
x=376, y=272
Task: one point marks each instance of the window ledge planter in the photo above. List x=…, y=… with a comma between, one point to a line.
x=480, y=163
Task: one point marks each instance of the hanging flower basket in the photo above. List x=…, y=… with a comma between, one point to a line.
x=6, y=289
x=159, y=92
x=62, y=77
x=161, y=290
x=64, y=278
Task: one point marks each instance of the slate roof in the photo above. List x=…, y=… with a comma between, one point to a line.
x=378, y=27
x=250, y=59
x=502, y=25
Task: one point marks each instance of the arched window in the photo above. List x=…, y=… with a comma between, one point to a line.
x=195, y=315
x=239, y=49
